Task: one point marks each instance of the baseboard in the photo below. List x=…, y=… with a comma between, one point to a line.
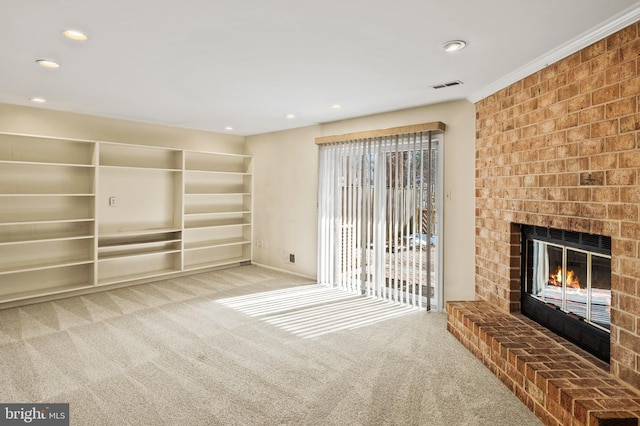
x=285, y=271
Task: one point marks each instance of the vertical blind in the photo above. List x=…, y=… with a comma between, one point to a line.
x=377, y=216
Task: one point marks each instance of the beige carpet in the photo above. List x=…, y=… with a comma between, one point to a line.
x=246, y=346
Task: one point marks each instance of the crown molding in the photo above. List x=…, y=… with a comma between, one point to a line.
x=618, y=22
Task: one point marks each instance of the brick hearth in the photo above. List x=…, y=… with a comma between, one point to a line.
x=559, y=382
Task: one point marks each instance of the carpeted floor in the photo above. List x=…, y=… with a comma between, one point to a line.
x=246, y=346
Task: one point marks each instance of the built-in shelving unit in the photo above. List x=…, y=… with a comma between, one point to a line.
x=128, y=256
x=47, y=221
x=78, y=215
x=217, y=209
x=140, y=213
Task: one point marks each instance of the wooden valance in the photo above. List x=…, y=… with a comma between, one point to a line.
x=436, y=127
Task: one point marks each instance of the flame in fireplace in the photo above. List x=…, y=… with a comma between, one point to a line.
x=555, y=278
x=572, y=280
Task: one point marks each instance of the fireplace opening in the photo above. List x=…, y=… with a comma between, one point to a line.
x=566, y=285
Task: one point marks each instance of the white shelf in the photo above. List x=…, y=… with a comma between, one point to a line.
x=62, y=278
x=206, y=212
x=135, y=244
x=218, y=172
x=226, y=262
x=43, y=266
x=217, y=183
x=21, y=211
x=136, y=233
x=210, y=154
x=31, y=216
x=42, y=239
x=215, y=243
x=39, y=222
x=22, y=295
x=30, y=149
x=45, y=163
x=35, y=195
x=219, y=224
x=17, y=178
x=159, y=169
x=45, y=231
x=129, y=253
x=139, y=157
x=217, y=194
x=137, y=265
x=217, y=163
x=148, y=242
x=135, y=277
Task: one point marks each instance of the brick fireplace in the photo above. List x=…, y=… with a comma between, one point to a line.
x=560, y=149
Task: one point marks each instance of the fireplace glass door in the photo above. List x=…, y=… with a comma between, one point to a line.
x=574, y=280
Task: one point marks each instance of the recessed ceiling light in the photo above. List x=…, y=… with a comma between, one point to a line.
x=229, y=128
x=453, y=45
x=336, y=106
x=75, y=35
x=38, y=100
x=47, y=63
x=289, y=116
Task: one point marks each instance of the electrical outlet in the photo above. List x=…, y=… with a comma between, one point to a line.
x=112, y=201
x=258, y=243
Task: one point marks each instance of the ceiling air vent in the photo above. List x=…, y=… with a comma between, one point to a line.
x=449, y=84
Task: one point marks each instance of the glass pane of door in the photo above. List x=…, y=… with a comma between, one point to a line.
x=378, y=220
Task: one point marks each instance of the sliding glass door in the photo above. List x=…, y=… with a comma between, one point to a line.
x=379, y=219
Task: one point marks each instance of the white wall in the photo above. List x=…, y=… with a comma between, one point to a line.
x=286, y=190
x=285, y=182
x=40, y=121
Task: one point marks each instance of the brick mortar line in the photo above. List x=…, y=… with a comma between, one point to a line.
x=468, y=321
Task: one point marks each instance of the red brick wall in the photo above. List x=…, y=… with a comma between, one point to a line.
x=560, y=149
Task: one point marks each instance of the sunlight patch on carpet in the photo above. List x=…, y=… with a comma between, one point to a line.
x=315, y=310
